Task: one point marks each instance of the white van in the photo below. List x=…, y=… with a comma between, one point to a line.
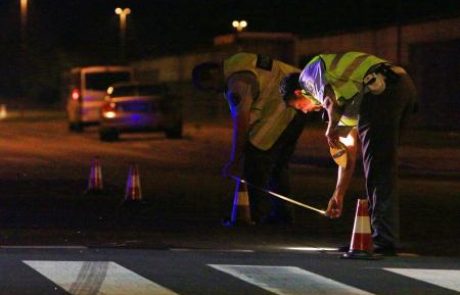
x=87, y=88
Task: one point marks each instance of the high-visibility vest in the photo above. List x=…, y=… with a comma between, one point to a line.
x=269, y=115
x=345, y=72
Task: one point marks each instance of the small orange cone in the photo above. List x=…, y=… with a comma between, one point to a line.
x=241, y=212
x=95, y=184
x=361, y=246
x=133, y=191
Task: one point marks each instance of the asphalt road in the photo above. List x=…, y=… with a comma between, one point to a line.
x=45, y=171
x=188, y=271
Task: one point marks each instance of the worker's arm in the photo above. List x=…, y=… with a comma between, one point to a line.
x=334, y=112
x=241, y=92
x=345, y=174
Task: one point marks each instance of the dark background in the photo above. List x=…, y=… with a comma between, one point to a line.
x=62, y=34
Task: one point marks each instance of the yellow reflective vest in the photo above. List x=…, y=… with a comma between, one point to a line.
x=345, y=72
x=269, y=115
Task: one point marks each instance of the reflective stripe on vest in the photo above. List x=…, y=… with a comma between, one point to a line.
x=269, y=115
x=345, y=72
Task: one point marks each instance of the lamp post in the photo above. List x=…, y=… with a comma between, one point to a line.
x=239, y=26
x=24, y=4
x=24, y=72
x=122, y=13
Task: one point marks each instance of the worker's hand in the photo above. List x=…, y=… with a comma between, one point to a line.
x=334, y=208
x=231, y=168
x=332, y=137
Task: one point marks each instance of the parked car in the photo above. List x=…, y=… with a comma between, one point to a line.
x=136, y=107
x=86, y=88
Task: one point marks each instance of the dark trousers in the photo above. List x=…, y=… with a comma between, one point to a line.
x=380, y=123
x=270, y=170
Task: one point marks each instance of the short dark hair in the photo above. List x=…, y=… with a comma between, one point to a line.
x=288, y=85
x=203, y=72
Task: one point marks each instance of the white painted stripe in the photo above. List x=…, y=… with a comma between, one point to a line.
x=44, y=247
x=362, y=225
x=445, y=278
x=311, y=249
x=96, y=277
x=212, y=250
x=285, y=280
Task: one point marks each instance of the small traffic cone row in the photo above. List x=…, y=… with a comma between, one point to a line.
x=95, y=184
x=241, y=212
x=133, y=192
x=361, y=246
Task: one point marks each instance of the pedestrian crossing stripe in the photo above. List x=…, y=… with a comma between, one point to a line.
x=445, y=278
x=107, y=277
x=96, y=277
x=283, y=280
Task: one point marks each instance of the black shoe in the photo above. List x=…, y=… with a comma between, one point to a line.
x=385, y=251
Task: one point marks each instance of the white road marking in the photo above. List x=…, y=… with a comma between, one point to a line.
x=45, y=247
x=445, y=278
x=285, y=280
x=311, y=249
x=96, y=277
x=211, y=250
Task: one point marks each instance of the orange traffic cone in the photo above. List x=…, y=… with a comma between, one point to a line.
x=133, y=191
x=95, y=177
x=241, y=212
x=361, y=246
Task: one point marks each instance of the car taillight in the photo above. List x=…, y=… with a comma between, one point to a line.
x=109, y=110
x=76, y=94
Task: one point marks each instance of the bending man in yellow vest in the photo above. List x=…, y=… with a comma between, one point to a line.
x=265, y=131
x=368, y=97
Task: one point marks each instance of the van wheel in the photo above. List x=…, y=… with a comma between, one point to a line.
x=108, y=135
x=76, y=127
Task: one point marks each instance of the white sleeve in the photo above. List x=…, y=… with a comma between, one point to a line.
x=242, y=90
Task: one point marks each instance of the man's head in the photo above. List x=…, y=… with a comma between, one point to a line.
x=295, y=97
x=208, y=76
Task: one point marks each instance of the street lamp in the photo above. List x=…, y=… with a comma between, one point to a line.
x=122, y=13
x=24, y=80
x=24, y=5
x=239, y=25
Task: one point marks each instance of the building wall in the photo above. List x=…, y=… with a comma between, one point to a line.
x=172, y=68
x=383, y=42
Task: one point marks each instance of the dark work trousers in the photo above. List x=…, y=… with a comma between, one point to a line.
x=380, y=123
x=269, y=170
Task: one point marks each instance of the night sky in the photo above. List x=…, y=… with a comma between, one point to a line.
x=161, y=26
x=65, y=33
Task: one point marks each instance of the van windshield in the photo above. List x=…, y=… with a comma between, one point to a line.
x=101, y=81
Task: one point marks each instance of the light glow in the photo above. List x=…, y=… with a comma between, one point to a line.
x=122, y=11
x=3, y=112
x=109, y=114
x=348, y=140
x=75, y=94
x=24, y=6
x=239, y=25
